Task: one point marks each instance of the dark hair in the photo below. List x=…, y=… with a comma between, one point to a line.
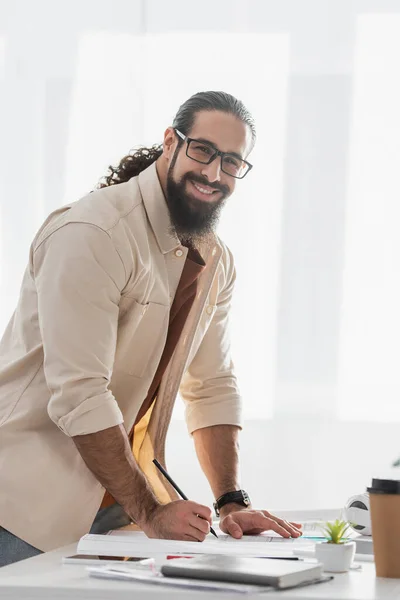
x=139, y=159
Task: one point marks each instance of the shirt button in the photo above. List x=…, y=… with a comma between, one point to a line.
x=209, y=310
x=178, y=252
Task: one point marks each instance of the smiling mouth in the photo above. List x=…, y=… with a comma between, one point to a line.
x=203, y=191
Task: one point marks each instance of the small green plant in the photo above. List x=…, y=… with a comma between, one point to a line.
x=336, y=531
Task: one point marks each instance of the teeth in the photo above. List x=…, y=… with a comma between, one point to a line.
x=202, y=190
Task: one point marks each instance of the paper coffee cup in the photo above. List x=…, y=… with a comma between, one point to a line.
x=384, y=496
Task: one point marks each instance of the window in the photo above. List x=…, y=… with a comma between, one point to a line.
x=369, y=384
x=2, y=195
x=105, y=118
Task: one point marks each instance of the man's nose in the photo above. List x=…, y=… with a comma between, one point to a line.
x=213, y=170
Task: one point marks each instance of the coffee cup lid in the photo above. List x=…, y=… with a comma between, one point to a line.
x=384, y=486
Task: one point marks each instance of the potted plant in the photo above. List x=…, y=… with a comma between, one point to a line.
x=337, y=552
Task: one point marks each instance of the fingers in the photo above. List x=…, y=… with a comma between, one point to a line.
x=199, y=523
x=232, y=527
x=202, y=511
x=179, y=520
x=264, y=523
x=199, y=519
x=195, y=534
x=253, y=522
x=256, y=521
x=293, y=529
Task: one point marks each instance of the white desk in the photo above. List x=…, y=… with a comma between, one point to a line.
x=46, y=578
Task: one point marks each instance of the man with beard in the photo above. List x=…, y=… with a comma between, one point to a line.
x=125, y=302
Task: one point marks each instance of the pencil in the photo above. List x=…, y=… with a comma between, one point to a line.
x=174, y=485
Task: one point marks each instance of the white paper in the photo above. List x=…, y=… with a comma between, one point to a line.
x=135, y=543
x=267, y=536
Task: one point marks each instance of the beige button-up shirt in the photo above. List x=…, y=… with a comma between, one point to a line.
x=83, y=345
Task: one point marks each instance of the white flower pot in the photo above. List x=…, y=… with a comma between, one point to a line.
x=336, y=558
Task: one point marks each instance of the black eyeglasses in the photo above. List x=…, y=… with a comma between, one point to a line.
x=205, y=153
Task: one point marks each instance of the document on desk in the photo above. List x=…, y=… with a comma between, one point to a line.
x=136, y=543
x=127, y=574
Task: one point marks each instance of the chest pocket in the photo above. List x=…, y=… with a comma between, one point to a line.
x=142, y=331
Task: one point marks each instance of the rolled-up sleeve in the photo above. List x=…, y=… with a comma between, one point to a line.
x=79, y=276
x=209, y=387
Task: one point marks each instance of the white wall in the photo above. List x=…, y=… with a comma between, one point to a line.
x=313, y=228
x=295, y=463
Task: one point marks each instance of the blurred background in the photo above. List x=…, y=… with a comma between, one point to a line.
x=314, y=228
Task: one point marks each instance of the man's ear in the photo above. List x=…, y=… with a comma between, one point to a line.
x=169, y=142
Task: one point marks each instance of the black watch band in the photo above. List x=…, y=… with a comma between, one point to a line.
x=238, y=497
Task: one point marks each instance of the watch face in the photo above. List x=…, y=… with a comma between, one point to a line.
x=246, y=498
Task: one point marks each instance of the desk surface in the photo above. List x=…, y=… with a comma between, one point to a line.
x=44, y=577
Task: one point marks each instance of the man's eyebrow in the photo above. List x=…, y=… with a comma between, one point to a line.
x=204, y=141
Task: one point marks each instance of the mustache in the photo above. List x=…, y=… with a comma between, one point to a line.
x=202, y=181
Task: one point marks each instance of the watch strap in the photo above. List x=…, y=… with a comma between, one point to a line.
x=237, y=497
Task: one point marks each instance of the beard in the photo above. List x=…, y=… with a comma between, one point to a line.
x=193, y=220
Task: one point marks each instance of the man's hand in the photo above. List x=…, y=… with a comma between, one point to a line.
x=179, y=520
x=252, y=522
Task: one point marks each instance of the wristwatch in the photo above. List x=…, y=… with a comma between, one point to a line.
x=238, y=497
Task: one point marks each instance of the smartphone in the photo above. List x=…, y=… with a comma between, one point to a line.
x=89, y=559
